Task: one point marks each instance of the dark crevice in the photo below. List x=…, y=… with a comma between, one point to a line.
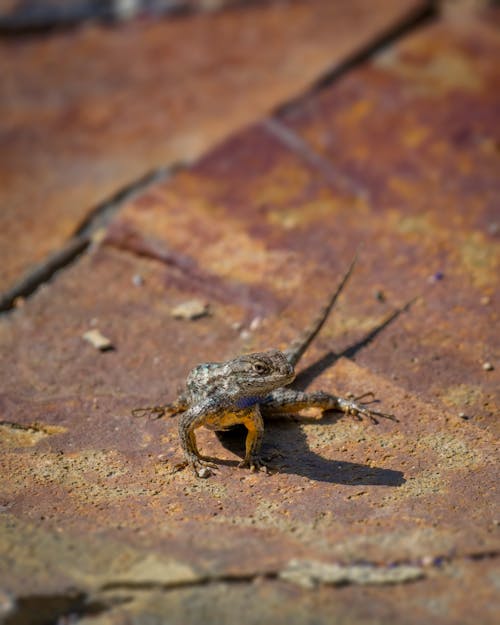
x=67, y=607
x=417, y=18
x=33, y=427
x=486, y=555
x=195, y=582
x=97, y=219
x=204, y=580
x=102, y=214
x=43, y=272
x=277, y=126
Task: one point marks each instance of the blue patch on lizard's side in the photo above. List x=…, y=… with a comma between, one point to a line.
x=248, y=402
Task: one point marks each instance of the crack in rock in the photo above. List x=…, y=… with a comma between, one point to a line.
x=58, y=608
x=152, y=575
x=33, y=427
x=14, y=434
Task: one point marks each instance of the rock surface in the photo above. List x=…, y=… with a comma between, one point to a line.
x=87, y=113
x=355, y=522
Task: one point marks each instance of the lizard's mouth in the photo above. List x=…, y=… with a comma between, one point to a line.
x=290, y=373
x=286, y=377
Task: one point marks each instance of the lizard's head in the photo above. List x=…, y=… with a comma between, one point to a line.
x=260, y=373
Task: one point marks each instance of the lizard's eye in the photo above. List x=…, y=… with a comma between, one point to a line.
x=259, y=367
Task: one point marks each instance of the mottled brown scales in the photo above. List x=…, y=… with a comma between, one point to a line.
x=248, y=388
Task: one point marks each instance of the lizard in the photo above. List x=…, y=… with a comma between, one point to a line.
x=247, y=389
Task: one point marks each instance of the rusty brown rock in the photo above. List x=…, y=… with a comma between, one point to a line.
x=86, y=113
x=262, y=228
x=423, y=209
x=102, y=473
x=106, y=582
x=433, y=187
x=434, y=601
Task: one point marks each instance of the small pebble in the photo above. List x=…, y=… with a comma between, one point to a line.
x=255, y=323
x=190, y=309
x=380, y=296
x=436, y=277
x=137, y=280
x=245, y=335
x=97, y=340
x=485, y=300
x=487, y=366
x=462, y=415
x=204, y=472
x=7, y=606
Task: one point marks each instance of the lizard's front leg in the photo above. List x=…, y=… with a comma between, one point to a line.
x=194, y=418
x=288, y=401
x=252, y=420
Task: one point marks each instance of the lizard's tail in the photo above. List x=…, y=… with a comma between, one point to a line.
x=294, y=351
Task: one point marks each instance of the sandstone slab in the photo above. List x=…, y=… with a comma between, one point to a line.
x=87, y=113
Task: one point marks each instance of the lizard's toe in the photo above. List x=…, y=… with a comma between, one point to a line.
x=179, y=466
x=254, y=464
x=208, y=461
x=203, y=468
x=359, y=411
x=372, y=415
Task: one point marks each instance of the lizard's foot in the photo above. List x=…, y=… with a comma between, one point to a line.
x=155, y=412
x=201, y=467
x=359, y=410
x=254, y=464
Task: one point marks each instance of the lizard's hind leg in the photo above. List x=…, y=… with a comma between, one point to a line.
x=289, y=401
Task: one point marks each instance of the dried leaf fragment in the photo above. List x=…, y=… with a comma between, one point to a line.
x=97, y=340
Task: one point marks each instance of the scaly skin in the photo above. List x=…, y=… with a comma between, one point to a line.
x=243, y=390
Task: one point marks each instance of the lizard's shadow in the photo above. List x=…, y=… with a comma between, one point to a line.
x=285, y=439
x=285, y=450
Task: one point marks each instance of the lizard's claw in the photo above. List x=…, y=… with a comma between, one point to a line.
x=206, y=461
x=154, y=412
x=359, y=410
x=373, y=414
